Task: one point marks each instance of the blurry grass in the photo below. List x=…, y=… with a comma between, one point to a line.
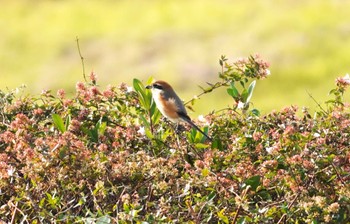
x=306, y=43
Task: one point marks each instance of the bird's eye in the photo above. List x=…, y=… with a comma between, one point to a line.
x=157, y=86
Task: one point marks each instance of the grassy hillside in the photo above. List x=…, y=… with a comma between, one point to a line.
x=306, y=43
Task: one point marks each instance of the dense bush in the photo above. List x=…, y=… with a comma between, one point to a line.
x=107, y=156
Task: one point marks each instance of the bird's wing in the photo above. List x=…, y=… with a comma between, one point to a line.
x=172, y=96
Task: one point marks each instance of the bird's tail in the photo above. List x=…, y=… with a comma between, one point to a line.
x=198, y=129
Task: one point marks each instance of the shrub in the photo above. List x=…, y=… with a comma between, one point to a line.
x=106, y=156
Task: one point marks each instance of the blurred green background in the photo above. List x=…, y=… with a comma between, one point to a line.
x=306, y=42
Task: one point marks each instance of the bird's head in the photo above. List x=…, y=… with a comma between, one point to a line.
x=159, y=87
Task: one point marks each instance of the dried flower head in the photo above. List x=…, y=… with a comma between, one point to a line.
x=61, y=93
x=93, y=77
x=343, y=82
x=80, y=87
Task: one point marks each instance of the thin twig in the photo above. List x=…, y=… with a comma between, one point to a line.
x=338, y=175
x=97, y=206
x=198, y=219
x=215, y=86
x=14, y=213
x=319, y=105
x=81, y=58
x=117, y=207
x=294, y=199
x=289, y=206
x=150, y=120
x=240, y=206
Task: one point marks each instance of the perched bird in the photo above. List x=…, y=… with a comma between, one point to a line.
x=170, y=105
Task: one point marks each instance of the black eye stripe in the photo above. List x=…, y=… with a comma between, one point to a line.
x=157, y=86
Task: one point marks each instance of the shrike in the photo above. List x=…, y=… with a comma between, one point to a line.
x=170, y=105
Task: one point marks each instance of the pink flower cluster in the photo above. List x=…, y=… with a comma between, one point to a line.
x=253, y=67
x=343, y=82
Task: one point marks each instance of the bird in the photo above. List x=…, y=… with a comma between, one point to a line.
x=170, y=105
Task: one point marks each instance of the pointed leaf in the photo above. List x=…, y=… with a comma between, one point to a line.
x=255, y=112
x=250, y=90
x=244, y=95
x=202, y=88
x=201, y=146
x=58, y=122
x=144, y=97
x=232, y=91
x=68, y=119
x=156, y=117
x=137, y=85
x=102, y=128
x=211, y=85
x=253, y=182
x=149, y=133
x=217, y=144
x=223, y=217
x=144, y=121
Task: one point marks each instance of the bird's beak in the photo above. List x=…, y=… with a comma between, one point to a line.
x=148, y=87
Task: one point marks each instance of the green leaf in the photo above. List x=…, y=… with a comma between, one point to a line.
x=42, y=202
x=52, y=200
x=242, y=82
x=197, y=137
x=101, y=127
x=244, y=220
x=150, y=219
x=201, y=146
x=92, y=133
x=314, y=221
x=253, y=182
x=250, y=91
x=332, y=91
x=126, y=207
x=145, y=97
x=68, y=119
x=217, y=144
x=244, y=95
x=144, y=121
x=223, y=217
x=211, y=196
x=255, y=112
x=58, y=122
x=165, y=134
x=205, y=172
x=264, y=194
x=232, y=91
x=62, y=153
x=332, y=178
x=137, y=85
x=149, y=133
x=156, y=115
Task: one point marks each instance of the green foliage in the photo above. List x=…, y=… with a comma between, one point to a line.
x=254, y=182
x=90, y=159
x=240, y=71
x=59, y=123
x=146, y=102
